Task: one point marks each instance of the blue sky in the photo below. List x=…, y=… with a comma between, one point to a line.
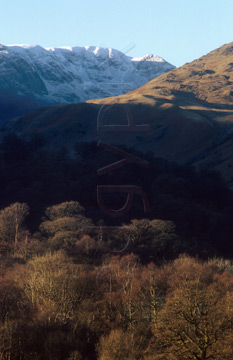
x=179, y=31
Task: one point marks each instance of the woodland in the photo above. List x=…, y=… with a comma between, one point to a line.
x=77, y=284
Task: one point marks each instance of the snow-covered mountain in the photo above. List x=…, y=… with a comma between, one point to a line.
x=72, y=74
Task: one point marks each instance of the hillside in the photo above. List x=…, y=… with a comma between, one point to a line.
x=195, y=102
x=189, y=110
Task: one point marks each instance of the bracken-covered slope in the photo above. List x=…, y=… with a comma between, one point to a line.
x=189, y=110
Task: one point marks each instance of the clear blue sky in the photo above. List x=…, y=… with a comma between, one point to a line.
x=178, y=30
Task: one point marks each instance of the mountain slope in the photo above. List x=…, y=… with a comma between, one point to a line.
x=73, y=74
x=189, y=110
x=201, y=92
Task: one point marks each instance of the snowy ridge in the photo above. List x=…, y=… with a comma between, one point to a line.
x=74, y=74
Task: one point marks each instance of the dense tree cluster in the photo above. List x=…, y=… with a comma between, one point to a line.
x=68, y=292
x=53, y=308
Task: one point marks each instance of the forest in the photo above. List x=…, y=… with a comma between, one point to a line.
x=79, y=285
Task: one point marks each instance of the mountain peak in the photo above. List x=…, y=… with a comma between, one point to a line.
x=149, y=57
x=74, y=74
